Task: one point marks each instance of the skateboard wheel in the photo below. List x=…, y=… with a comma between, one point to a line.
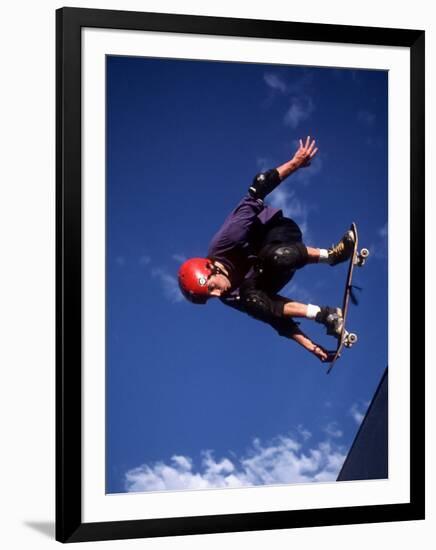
x=351, y=338
x=364, y=253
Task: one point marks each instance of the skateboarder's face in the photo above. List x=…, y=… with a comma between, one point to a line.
x=218, y=284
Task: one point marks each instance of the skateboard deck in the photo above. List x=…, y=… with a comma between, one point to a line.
x=347, y=339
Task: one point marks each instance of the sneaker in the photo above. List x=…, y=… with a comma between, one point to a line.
x=342, y=251
x=332, y=319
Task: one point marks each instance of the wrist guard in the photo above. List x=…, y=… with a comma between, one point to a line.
x=264, y=183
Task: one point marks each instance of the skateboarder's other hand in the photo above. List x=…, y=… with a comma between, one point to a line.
x=305, y=153
x=322, y=354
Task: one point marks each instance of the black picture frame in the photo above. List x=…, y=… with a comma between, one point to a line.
x=69, y=524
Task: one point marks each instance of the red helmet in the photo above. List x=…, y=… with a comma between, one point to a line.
x=193, y=276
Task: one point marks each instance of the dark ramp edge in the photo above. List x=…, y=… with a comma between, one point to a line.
x=368, y=456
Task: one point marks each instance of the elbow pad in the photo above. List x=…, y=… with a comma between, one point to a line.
x=264, y=183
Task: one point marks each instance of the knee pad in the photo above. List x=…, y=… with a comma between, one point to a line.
x=286, y=257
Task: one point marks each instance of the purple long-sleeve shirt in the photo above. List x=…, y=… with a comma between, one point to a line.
x=235, y=244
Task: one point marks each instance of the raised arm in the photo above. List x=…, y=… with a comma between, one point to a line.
x=266, y=182
x=302, y=158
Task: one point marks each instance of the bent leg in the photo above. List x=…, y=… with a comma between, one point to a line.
x=313, y=255
x=334, y=255
x=278, y=264
x=284, y=256
x=330, y=317
x=295, y=309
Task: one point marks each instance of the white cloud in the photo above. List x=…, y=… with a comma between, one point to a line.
x=358, y=411
x=167, y=281
x=301, y=104
x=275, y=82
x=182, y=462
x=169, y=284
x=303, y=432
x=332, y=429
x=299, y=110
x=283, y=461
x=292, y=207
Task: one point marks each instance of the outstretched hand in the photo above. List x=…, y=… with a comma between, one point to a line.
x=305, y=153
x=323, y=355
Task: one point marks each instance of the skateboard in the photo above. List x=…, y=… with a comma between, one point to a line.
x=345, y=338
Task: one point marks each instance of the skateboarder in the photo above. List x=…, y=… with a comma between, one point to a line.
x=256, y=253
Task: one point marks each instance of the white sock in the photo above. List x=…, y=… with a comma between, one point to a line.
x=312, y=311
x=323, y=256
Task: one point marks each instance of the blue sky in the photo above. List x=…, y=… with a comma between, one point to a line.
x=205, y=396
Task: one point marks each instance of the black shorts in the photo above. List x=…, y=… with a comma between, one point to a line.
x=284, y=231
